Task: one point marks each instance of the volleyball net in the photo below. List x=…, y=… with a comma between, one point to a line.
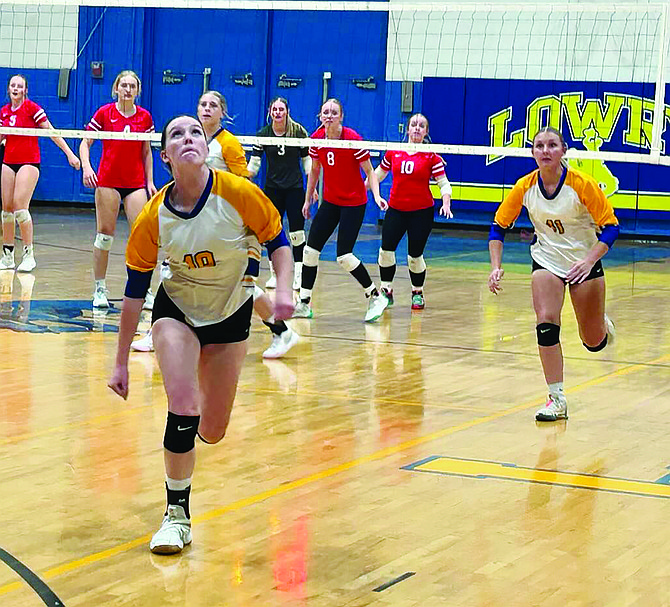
x=487, y=76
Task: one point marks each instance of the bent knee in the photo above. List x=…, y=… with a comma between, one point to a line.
x=595, y=341
x=211, y=436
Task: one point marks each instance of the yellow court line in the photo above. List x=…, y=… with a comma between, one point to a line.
x=318, y=476
x=483, y=469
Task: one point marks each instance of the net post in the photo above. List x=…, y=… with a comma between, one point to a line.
x=659, y=97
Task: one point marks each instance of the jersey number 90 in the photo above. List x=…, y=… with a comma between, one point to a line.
x=203, y=259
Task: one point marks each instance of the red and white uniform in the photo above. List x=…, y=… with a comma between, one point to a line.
x=343, y=183
x=122, y=162
x=411, y=178
x=21, y=149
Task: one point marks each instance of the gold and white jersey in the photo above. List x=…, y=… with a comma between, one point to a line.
x=208, y=248
x=566, y=223
x=226, y=154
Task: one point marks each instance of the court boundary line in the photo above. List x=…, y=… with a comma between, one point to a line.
x=33, y=580
x=321, y=475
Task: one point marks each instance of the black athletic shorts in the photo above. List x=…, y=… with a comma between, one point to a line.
x=596, y=271
x=229, y=331
x=123, y=192
x=16, y=167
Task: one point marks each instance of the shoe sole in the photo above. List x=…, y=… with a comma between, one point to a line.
x=167, y=549
x=546, y=418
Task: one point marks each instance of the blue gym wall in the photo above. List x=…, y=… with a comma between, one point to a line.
x=232, y=43
x=267, y=44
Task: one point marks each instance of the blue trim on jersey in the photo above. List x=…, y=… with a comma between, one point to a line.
x=253, y=268
x=199, y=205
x=138, y=283
x=215, y=135
x=278, y=241
x=561, y=181
x=608, y=235
x=496, y=232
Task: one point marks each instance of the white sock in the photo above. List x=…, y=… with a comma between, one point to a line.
x=100, y=284
x=177, y=484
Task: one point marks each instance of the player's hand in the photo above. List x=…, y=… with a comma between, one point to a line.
x=283, y=305
x=382, y=204
x=151, y=189
x=315, y=195
x=494, y=280
x=75, y=163
x=119, y=381
x=445, y=210
x=90, y=179
x=579, y=271
x=306, y=208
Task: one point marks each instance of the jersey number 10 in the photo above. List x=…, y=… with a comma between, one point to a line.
x=203, y=259
x=407, y=167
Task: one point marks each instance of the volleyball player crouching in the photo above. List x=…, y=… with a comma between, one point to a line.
x=345, y=198
x=203, y=221
x=411, y=209
x=125, y=173
x=21, y=170
x=575, y=227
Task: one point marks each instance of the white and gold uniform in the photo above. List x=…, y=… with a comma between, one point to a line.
x=226, y=154
x=566, y=224
x=208, y=248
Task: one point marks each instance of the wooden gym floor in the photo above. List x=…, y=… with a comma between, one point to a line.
x=395, y=464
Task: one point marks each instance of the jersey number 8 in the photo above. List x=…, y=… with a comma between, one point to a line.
x=330, y=158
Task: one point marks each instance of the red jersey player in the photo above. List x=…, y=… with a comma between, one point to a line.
x=411, y=209
x=21, y=170
x=125, y=172
x=344, y=204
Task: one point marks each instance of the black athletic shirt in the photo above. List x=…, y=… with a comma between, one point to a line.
x=283, y=170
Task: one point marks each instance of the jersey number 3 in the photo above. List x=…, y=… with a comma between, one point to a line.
x=556, y=225
x=203, y=259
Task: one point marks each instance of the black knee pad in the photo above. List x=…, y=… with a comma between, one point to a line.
x=548, y=334
x=180, y=432
x=597, y=348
